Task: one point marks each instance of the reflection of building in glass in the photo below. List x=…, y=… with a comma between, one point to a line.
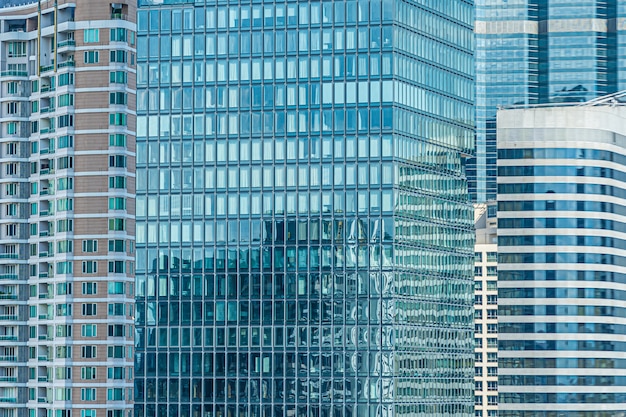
x=539, y=51
x=305, y=237
x=561, y=259
x=67, y=151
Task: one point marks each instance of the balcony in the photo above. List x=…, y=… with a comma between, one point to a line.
x=8, y=296
x=10, y=317
x=8, y=276
x=14, y=74
x=68, y=42
x=8, y=358
x=119, y=16
x=67, y=64
x=8, y=379
x=8, y=399
x=8, y=337
x=46, y=68
x=9, y=255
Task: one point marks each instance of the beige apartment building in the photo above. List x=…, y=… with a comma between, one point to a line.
x=67, y=161
x=486, y=311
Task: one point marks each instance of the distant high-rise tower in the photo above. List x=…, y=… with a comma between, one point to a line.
x=67, y=150
x=540, y=51
x=304, y=236
x=561, y=277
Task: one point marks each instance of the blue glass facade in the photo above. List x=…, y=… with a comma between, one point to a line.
x=561, y=261
x=540, y=51
x=305, y=243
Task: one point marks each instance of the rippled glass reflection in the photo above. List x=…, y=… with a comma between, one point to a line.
x=305, y=238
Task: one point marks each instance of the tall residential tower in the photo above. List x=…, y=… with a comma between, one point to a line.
x=67, y=150
x=304, y=237
x=486, y=313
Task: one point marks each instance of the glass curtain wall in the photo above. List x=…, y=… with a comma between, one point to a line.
x=305, y=243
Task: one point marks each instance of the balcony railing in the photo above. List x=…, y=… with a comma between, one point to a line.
x=8, y=276
x=68, y=42
x=8, y=297
x=14, y=74
x=67, y=64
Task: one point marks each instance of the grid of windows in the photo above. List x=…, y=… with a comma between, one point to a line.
x=274, y=219
x=486, y=325
x=535, y=65
x=49, y=336
x=553, y=323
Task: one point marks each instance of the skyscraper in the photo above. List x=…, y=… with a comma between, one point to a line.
x=67, y=150
x=486, y=314
x=561, y=260
x=304, y=237
x=540, y=51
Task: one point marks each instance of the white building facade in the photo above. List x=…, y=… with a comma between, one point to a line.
x=486, y=312
x=562, y=260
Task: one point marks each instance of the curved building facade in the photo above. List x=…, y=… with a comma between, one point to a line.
x=562, y=260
